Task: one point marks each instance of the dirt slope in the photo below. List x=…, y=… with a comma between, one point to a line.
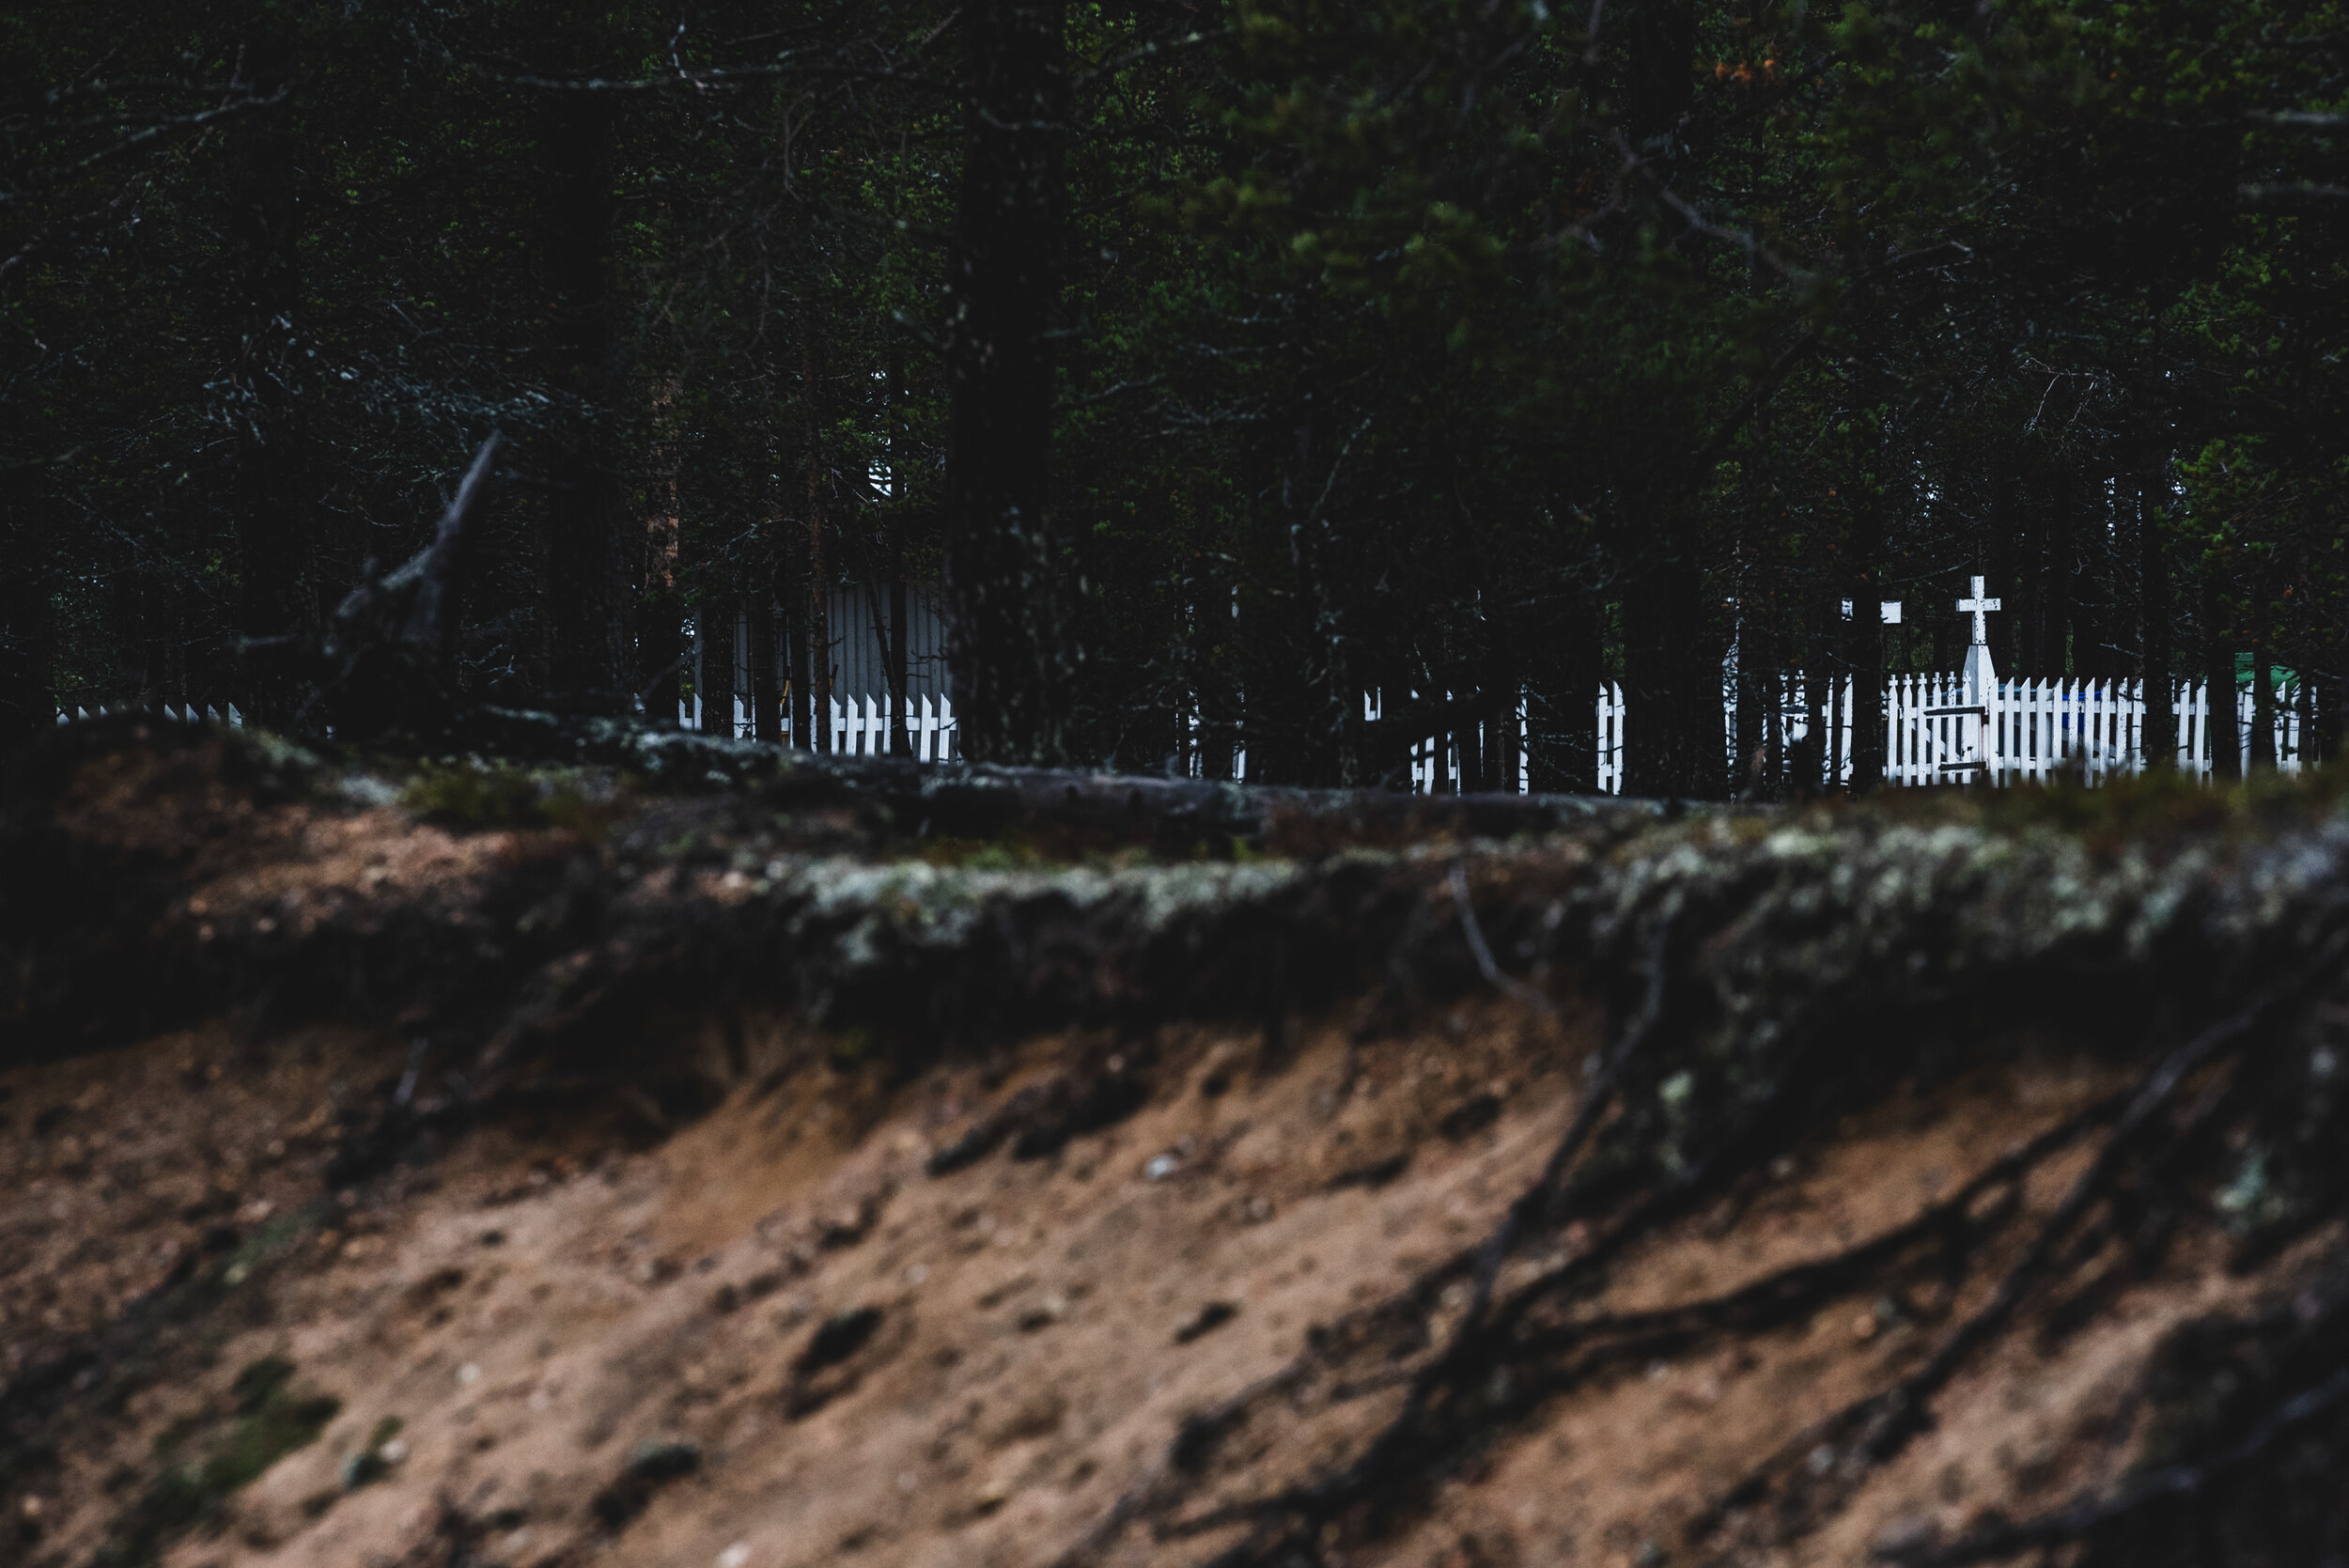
x=461, y=1221
x=538, y=1305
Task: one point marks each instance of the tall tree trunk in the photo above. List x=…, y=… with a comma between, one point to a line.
x=894, y=559
x=1757, y=682
x=713, y=645
x=2156, y=656
x=1582, y=676
x=1214, y=653
x=1501, y=690
x=1672, y=669
x=2263, y=707
x=2304, y=714
x=276, y=543
x=1006, y=644
x=2328, y=685
x=760, y=600
x=2029, y=589
x=2226, y=735
x=900, y=683
x=663, y=646
x=28, y=636
x=1762, y=685
x=797, y=668
x=2068, y=647
x=585, y=618
x=2096, y=615
x=816, y=602
x=660, y=607
x=1868, y=727
x=1463, y=748
x=2161, y=724
x=1318, y=724
x=1809, y=753
x=1671, y=680
x=2001, y=562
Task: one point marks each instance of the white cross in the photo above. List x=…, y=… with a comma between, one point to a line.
x=1978, y=607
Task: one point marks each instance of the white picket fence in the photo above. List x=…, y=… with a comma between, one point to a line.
x=177, y=713
x=1933, y=734
x=2028, y=731
x=860, y=726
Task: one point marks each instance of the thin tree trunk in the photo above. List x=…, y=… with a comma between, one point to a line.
x=661, y=636
x=1503, y=689
x=1308, y=733
x=2029, y=614
x=28, y=636
x=2263, y=709
x=586, y=630
x=2067, y=618
x=1671, y=680
x=1581, y=674
x=2001, y=562
x=2303, y=709
x=759, y=601
x=791, y=641
x=816, y=602
x=275, y=536
x=2161, y=724
x=1752, y=730
x=714, y=648
x=1809, y=752
x=664, y=651
x=1760, y=693
x=900, y=682
x=1467, y=741
x=1215, y=626
x=815, y=630
x=1867, y=637
x=1671, y=666
x=2326, y=694
x=894, y=560
x=2226, y=735
x=1007, y=644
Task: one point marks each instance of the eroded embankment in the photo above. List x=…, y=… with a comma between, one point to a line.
x=658, y=1177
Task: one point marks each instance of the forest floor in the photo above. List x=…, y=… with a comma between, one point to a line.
x=1114, y=1292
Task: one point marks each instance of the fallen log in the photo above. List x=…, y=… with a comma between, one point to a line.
x=965, y=800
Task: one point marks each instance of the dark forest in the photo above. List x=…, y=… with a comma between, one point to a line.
x=1220, y=363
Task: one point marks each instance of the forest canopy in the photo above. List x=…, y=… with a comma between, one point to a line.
x=1218, y=361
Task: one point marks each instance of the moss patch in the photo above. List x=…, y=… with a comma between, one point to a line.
x=471, y=794
x=266, y=1421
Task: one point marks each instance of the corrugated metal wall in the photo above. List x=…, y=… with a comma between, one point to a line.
x=859, y=665
x=859, y=660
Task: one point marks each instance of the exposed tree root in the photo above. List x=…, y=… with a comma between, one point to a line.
x=1503, y=1361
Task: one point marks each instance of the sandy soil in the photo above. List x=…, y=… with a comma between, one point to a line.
x=871, y=1362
